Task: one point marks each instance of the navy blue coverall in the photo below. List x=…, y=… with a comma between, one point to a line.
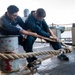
x=39, y=27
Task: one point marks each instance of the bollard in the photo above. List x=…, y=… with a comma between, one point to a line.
x=9, y=44
x=9, y=65
x=73, y=33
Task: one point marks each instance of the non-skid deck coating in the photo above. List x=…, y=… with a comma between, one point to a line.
x=58, y=67
x=51, y=66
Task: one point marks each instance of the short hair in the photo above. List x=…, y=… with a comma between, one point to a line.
x=41, y=12
x=12, y=9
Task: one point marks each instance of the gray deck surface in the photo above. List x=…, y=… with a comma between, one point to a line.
x=59, y=67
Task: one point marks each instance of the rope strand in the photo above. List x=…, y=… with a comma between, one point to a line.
x=26, y=55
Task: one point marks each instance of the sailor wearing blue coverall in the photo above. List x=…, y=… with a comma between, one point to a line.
x=36, y=23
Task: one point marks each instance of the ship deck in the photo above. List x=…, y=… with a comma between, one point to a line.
x=51, y=66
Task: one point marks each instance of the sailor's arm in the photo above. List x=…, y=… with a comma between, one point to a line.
x=53, y=36
x=30, y=33
x=47, y=29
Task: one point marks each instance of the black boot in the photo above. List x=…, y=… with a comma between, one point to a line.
x=63, y=57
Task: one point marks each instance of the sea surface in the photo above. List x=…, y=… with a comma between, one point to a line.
x=66, y=34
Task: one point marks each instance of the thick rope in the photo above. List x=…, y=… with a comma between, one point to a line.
x=31, y=54
x=67, y=47
x=49, y=56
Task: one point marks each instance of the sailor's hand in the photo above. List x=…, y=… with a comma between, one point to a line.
x=54, y=38
x=24, y=37
x=41, y=37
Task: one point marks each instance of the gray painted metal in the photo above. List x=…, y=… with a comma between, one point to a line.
x=73, y=34
x=8, y=43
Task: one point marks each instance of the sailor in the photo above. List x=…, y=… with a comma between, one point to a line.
x=35, y=22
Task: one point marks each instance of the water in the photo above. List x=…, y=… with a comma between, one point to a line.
x=66, y=34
